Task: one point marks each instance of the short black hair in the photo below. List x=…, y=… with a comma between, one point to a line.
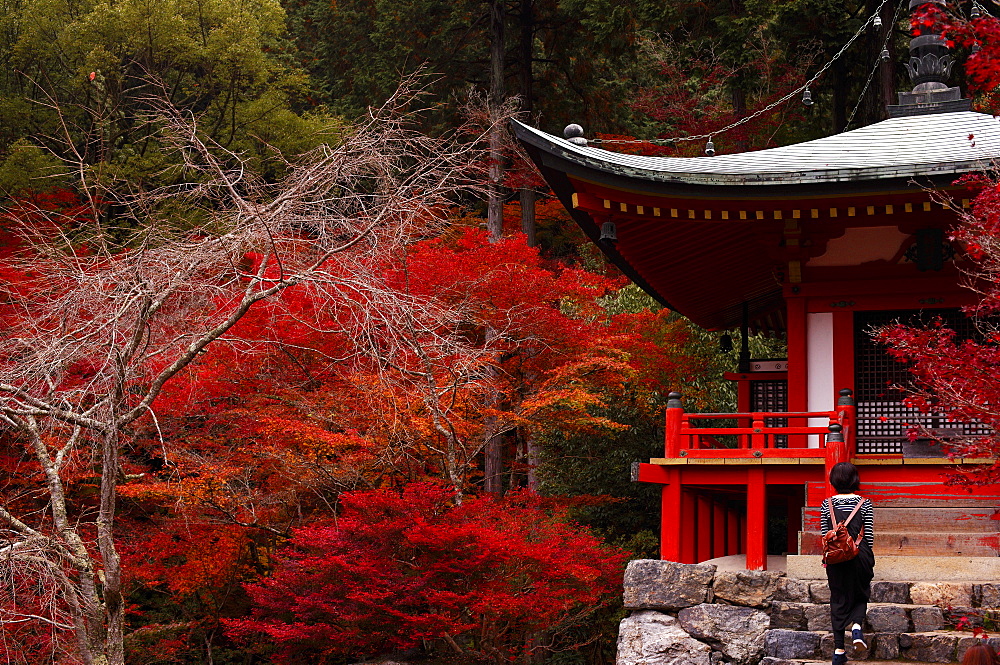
x=844, y=477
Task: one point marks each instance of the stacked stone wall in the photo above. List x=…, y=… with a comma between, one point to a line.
x=693, y=614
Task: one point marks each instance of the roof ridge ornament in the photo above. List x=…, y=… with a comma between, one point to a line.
x=929, y=67
x=574, y=134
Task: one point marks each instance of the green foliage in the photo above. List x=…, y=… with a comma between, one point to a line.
x=26, y=167
x=86, y=70
x=599, y=465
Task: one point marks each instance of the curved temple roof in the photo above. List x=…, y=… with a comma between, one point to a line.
x=709, y=236
x=925, y=145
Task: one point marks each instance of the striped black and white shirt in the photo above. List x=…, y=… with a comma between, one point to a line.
x=844, y=503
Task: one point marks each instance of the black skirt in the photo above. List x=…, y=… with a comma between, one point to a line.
x=850, y=590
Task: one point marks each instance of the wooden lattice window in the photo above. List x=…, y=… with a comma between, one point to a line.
x=771, y=396
x=882, y=419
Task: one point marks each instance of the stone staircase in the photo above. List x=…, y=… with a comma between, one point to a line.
x=915, y=524
x=697, y=614
x=923, y=533
x=906, y=622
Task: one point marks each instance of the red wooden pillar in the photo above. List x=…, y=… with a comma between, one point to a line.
x=670, y=517
x=797, y=362
x=705, y=528
x=756, y=520
x=719, y=511
x=689, y=527
x=843, y=349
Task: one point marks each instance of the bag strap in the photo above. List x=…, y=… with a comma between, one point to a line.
x=833, y=512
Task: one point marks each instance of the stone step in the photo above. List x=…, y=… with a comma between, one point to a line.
x=910, y=543
x=965, y=569
x=767, y=660
x=943, y=646
x=884, y=617
x=916, y=495
x=881, y=617
x=923, y=520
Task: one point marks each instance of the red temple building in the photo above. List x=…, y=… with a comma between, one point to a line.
x=819, y=241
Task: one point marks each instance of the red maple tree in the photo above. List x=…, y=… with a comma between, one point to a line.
x=397, y=569
x=954, y=375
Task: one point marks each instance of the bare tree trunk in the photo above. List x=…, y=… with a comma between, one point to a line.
x=534, y=459
x=840, y=85
x=493, y=465
x=873, y=105
x=498, y=16
x=887, y=70
x=111, y=563
x=493, y=443
x=492, y=438
x=739, y=99
x=527, y=56
x=528, y=198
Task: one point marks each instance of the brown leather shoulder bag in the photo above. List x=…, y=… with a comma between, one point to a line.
x=838, y=546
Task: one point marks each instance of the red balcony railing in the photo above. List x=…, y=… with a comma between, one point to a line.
x=753, y=437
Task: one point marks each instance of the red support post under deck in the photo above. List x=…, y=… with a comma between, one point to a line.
x=718, y=529
x=670, y=521
x=732, y=532
x=705, y=530
x=689, y=527
x=756, y=543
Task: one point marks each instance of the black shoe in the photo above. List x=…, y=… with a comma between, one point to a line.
x=859, y=640
x=840, y=659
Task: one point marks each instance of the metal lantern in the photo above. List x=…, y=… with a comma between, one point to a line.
x=609, y=233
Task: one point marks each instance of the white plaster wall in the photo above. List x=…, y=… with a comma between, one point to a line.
x=819, y=373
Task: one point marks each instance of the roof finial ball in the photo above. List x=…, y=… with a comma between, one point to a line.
x=574, y=134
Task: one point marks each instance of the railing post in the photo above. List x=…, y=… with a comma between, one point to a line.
x=847, y=410
x=758, y=440
x=836, y=452
x=675, y=414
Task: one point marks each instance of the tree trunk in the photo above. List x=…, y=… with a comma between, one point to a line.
x=494, y=222
x=527, y=78
x=493, y=444
x=111, y=563
x=534, y=459
x=840, y=85
x=739, y=99
x=887, y=70
x=528, y=198
x=493, y=464
x=872, y=107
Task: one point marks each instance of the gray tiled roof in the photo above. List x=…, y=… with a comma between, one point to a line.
x=925, y=145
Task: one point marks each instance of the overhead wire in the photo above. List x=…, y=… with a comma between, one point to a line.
x=745, y=119
x=878, y=63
